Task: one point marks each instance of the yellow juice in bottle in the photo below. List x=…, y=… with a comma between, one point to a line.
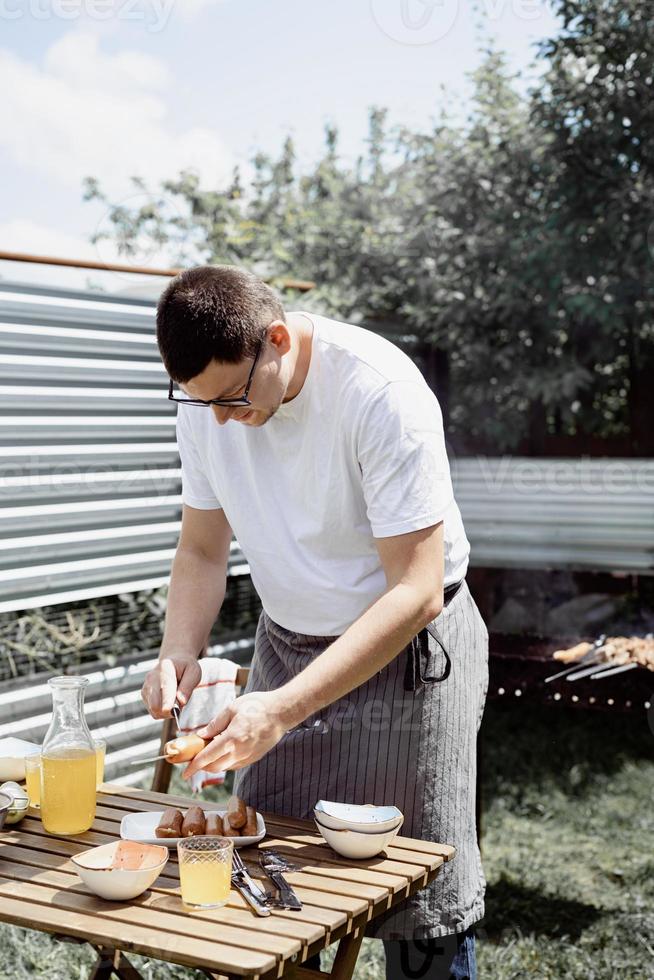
x=33, y=785
x=205, y=882
x=68, y=790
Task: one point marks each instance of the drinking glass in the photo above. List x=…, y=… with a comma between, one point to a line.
x=205, y=871
x=33, y=778
x=100, y=751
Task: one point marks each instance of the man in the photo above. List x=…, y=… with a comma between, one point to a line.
x=320, y=447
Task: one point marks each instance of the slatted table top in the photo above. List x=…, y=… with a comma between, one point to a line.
x=39, y=889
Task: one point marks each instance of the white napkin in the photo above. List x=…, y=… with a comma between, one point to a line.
x=217, y=688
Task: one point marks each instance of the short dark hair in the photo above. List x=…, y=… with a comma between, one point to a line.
x=213, y=312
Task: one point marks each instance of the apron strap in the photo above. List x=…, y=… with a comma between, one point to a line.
x=418, y=652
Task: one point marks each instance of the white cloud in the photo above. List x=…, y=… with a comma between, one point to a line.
x=89, y=112
x=75, y=60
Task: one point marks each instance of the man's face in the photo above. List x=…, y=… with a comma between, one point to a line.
x=267, y=389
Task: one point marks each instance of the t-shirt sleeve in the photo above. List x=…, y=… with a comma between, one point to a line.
x=196, y=489
x=404, y=466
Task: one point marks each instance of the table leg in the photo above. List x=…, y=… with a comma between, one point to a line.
x=346, y=955
x=344, y=961
x=112, y=962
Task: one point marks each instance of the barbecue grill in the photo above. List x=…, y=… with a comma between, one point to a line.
x=520, y=666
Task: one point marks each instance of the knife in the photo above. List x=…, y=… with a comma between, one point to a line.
x=241, y=886
x=287, y=897
x=142, y=762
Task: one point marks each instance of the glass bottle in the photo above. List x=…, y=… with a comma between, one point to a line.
x=68, y=767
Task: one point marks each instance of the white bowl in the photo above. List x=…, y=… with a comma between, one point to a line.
x=352, y=844
x=353, y=816
x=100, y=870
x=12, y=757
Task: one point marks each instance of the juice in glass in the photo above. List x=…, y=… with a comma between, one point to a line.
x=205, y=870
x=33, y=778
x=100, y=749
x=68, y=790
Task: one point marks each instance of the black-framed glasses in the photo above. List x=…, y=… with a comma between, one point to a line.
x=243, y=400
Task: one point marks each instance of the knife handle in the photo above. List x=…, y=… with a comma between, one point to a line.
x=250, y=897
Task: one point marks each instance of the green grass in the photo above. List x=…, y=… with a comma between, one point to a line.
x=568, y=825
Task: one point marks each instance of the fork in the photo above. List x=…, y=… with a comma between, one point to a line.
x=240, y=868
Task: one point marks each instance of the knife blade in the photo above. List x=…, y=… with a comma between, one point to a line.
x=287, y=897
x=143, y=762
x=244, y=889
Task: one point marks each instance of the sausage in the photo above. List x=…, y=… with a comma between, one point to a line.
x=236, y=812
x=573, y=653
x=194, y=822
x=170, y=824
x=250, y=828
x=214, y=824
x=184, y=748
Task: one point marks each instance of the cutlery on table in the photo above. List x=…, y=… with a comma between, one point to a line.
x=273, y=863
x=255, y=903
x=239, y=867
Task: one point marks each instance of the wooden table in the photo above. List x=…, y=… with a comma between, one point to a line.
x=39, y=889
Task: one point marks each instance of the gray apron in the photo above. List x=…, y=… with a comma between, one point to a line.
x=405, y=737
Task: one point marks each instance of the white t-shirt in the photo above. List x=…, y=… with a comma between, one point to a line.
x=358, y=454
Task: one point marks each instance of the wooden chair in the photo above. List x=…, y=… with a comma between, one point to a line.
x=163, y=770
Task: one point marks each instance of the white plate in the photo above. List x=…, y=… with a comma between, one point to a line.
x=12, y=757
x=141, y=827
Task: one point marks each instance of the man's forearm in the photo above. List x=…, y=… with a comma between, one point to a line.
x=195, y=596
x=367, y=646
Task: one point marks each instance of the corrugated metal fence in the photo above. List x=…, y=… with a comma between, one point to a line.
x=90, y=478
x=90, y=492
x=89, y=472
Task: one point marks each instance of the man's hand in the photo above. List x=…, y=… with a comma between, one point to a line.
x=240, y=734
x=173, y=677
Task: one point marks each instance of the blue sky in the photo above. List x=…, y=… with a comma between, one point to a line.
x=120, y=87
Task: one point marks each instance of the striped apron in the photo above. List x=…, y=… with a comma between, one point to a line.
x=407, y=736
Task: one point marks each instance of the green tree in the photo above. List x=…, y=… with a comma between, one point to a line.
x=514, y=244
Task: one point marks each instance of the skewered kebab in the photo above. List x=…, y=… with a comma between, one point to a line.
x=607, y=656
